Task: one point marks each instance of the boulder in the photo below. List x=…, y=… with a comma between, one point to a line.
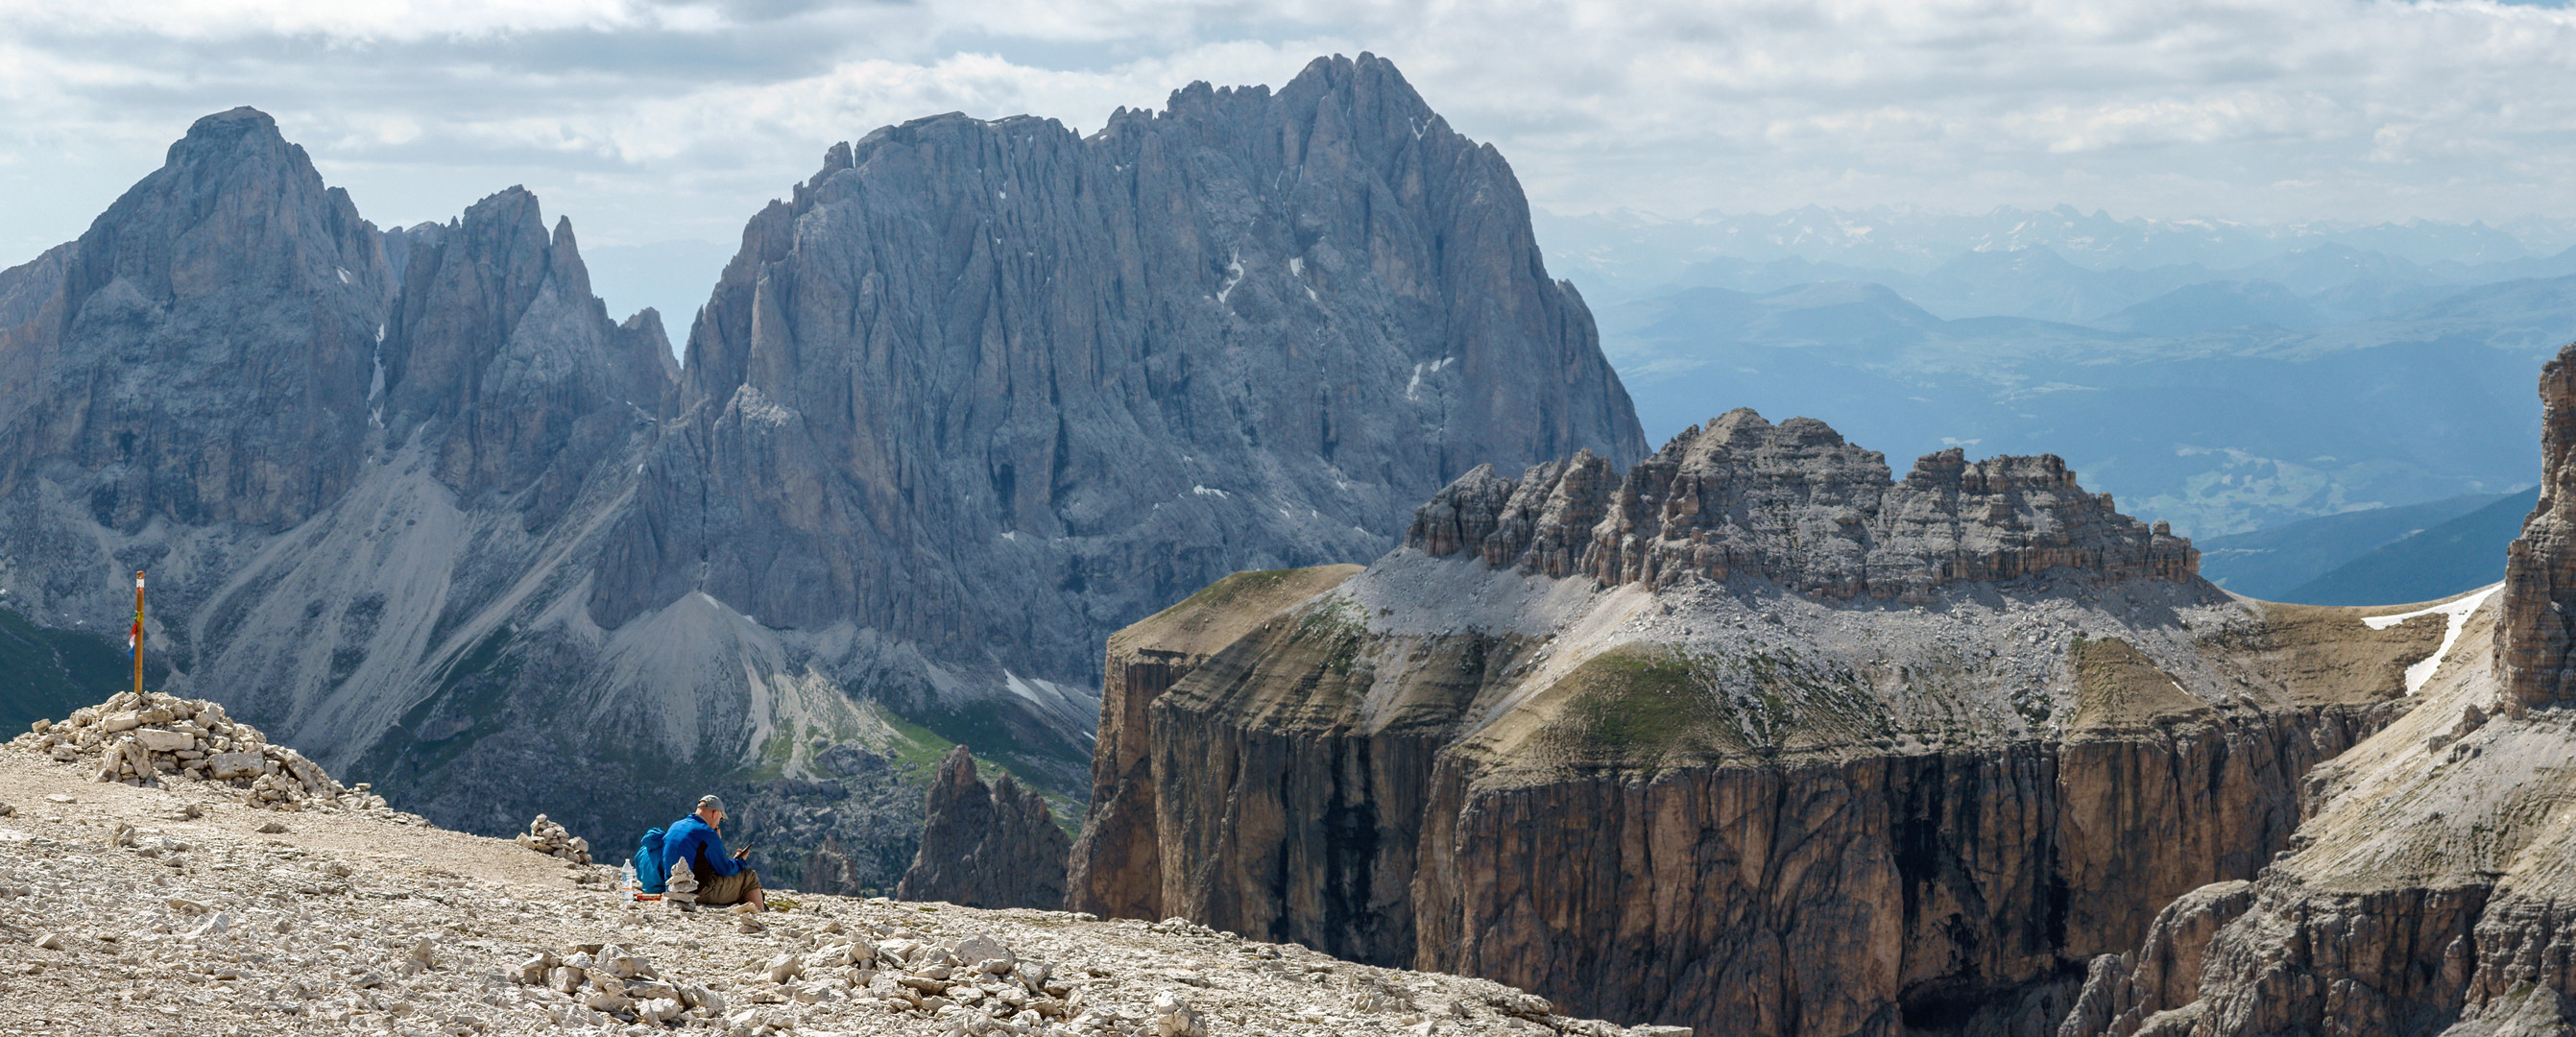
x=228, y=766
x=161, y=741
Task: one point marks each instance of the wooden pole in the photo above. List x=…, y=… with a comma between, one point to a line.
x=137, y=636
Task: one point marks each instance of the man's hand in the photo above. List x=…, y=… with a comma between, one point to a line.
x=742, y=854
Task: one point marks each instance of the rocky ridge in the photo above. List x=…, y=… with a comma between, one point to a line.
x=180, y=908
x=1795, y=505
x=986, y=845
x=2429, y=888
x=1629, y=743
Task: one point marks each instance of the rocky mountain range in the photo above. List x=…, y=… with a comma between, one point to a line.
x=972, y=397
x=1751, y=736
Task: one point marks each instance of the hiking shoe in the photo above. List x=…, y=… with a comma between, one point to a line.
x=745, y=908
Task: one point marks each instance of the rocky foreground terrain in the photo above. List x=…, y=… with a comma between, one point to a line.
x=1753, y=737
x=191, y=906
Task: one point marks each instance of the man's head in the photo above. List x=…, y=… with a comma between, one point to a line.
x=711, y=809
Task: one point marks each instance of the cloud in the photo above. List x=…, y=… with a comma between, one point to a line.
x=649, y=120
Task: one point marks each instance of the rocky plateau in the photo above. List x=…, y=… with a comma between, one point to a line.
x=1751, y=737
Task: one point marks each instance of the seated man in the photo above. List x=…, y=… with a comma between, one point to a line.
x=722, y=877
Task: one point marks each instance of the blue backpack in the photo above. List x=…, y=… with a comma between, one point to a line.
x=649, y=871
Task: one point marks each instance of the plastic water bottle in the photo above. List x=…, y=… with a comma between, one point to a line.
x=627, y=881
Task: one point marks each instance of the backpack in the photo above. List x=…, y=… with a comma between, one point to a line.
x=649, y=871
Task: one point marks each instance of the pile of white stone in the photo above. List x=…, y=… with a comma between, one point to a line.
x=975, y=984
x=605, y=978
x=148, y=740
x=553, y=840
x=681, y=889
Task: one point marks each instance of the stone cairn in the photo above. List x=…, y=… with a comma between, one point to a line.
x=681, y=891
x=547, y=837
x=159, y=738
x=608, y=979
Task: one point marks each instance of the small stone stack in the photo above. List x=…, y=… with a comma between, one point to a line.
x=142, y=741
x=607, y=979
x=681, y=890
x=553, y=840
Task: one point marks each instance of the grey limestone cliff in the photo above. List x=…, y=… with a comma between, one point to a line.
x=988, y=391
x=201, y=354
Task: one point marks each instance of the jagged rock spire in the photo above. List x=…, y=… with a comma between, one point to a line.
x=986, y=846
x=2538, y=623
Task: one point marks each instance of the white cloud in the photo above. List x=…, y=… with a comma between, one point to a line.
x=652, y=120
x=235, y=20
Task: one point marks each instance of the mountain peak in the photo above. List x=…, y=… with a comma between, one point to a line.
x=232, y=122
x=237, y=137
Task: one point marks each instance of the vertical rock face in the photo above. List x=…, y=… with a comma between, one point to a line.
x=201, y=354
x=497, y=335
x=986, y=846
x=993, y=390
x=2539, y=621
x=1116, y=871
x=1885, y=757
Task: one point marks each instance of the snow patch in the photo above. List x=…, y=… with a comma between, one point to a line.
x=2457, y=610
x=1233, y=277
x=1209, y=491
x=1068, y=703
x=1413, y=389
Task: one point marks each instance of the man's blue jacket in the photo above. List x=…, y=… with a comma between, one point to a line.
x=693, y=840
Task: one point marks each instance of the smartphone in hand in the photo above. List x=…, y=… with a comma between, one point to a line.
x=742, y=854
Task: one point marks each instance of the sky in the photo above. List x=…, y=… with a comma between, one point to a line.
x=659, y=127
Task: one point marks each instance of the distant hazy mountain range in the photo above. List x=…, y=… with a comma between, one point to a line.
x=2420, y=552
x=2225, y=377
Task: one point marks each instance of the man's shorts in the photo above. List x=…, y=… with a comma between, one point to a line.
x=728, y=889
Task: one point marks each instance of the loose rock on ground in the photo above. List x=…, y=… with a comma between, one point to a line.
x=165, y=910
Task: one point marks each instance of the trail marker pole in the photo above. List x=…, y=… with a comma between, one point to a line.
x=135, y=638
